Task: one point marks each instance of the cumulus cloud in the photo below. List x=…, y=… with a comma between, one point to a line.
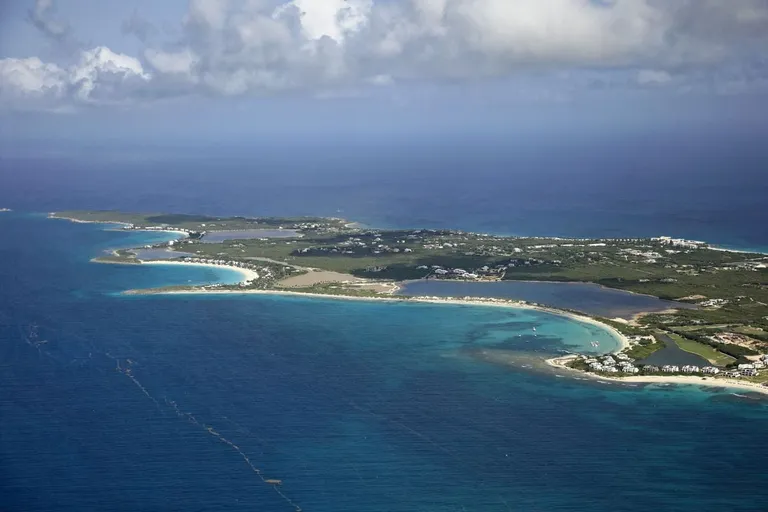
x=99, y=77
x=235, y=47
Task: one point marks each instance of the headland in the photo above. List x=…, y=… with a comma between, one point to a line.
x=718, y=312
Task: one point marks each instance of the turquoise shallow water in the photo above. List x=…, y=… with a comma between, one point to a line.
x=170, y=402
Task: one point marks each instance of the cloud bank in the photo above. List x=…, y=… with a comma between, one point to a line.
x=245, y=47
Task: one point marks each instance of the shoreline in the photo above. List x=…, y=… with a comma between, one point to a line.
x=622, y=340
x=53, y=215
x=246, y=274
x=182, y=234
x=544, y=281
x=692, y=380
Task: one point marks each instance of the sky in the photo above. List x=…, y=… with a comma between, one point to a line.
x=75, y=72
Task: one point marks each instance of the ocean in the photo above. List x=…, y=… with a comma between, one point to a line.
x=710, y=188
x=154, y=403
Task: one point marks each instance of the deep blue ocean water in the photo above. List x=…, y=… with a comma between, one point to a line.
x=709, y=187
x=113, y=402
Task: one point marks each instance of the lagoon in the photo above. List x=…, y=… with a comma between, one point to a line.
x=588, y=298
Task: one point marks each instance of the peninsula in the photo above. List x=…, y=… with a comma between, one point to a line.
x=720, y=309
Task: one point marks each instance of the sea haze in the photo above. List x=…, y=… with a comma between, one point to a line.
x=113, y=402
x=709, y=187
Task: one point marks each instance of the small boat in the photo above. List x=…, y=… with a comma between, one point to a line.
x=273, y=481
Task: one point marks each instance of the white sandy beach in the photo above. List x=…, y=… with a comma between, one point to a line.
x=466, y=301
x=712, y=382
x=247, y=274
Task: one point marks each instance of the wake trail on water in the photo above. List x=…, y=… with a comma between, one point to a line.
x=124, y=366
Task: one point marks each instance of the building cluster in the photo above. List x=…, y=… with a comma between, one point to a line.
x=618, y=363
x=621, y=363
x=679, y=242
x=363, y=244
x=754, y=265
x=713, y=303
x=643, y=256
x=160, y=228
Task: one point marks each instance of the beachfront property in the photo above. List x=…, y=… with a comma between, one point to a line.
x=689, y=368
x=670, y=368
x=711, y=370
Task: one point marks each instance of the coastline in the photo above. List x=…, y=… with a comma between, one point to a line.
x=545, y=281
x=247, y=274
x=622, y=340
x=53, y=215
x=181, y=234
x=710, y=382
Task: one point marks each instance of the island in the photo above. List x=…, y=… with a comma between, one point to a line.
x=718, y=309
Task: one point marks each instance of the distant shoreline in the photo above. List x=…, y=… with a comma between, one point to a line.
x=54, y=215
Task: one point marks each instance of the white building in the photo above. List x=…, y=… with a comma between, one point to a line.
x=669, y=368
x=710, y=370
x=689, y=368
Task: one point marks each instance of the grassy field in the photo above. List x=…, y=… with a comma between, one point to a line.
x=739, y=281
x=709, y=353
x=642, y=351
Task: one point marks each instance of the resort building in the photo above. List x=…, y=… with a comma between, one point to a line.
x=691, y=369
x=670, y=368
x=710, y=370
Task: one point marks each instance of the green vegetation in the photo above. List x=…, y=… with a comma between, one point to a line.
x=204, y=222
x=706, y=351
x=644, y=349
x=735, y=351
x=726, y=292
